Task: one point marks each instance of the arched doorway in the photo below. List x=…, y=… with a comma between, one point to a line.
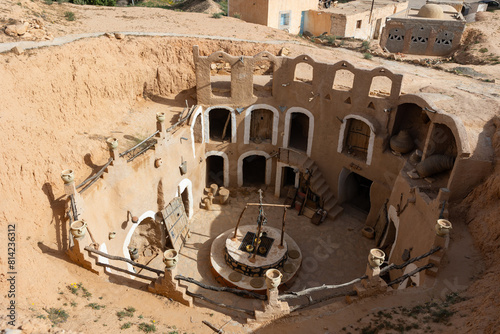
x=220, y=125
x=355, y=192
x=299, y=131
x=254, y=171
x=215, y=170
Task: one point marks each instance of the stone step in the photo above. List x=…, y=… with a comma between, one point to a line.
x=317, y=184
x=330, y=204
x=335, y=212
x=308, y=163
x=435, y=260
x=326, y=197
x=322, y=190
x=316, y=176
x=433, y=272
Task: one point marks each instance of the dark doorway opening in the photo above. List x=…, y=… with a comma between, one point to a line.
x=220, y=124
x=261, y=126
x=412, y=118
x=299, y=131
x=288, y=177
x=185, y=201
x=215, y=170
x=357, y=190
x=254, y=171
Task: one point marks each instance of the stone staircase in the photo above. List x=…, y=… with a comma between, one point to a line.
x=317, y=182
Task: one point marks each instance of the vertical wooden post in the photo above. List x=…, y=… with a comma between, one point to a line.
x=283, y=229
x=238, y=224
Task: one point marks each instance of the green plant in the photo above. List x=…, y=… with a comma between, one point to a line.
x=365, y=45
x=216, y=15
x=367, y=56
x=128, y=312
x=48, y=2
x=70, y=16
x=237, y=15
x=95, y=306
x=147, y=328
x=126, y=325
x=483, y=50
x=73, y=304
x=223, y=6
x=57, y=315
x=75, y=288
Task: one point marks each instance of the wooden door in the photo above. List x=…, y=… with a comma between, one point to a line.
x=176, y=223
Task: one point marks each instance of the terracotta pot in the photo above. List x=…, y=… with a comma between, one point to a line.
x=416, y=157
x=78, y=228
x=273, y=278
x=112, y=143
x=402, y=142
x=442, y=227
x=170, y=258
x=435, y=164
x=368, y=232
x=134, y=253
x=160, y=117
x=376, y=257
x=68, y=176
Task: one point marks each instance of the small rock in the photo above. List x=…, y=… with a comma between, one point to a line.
x=148, y=252
x=284, y=52
x=13, y=331
x=17, y=50
x=119, y=36
x=22, y=28
x=108, y=35
x=213, y=66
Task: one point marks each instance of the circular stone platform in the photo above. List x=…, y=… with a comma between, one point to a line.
x=232, y=266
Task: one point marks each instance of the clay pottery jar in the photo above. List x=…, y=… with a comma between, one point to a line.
x=112, y=143
x=78, y=228
x=214, y=187
x=170, y=258
x=416, y=157
x=208, y=203
x=134, y=253
x=376, y=257
x=368, y=232
x=402, y=142
x=68, y=176
x=160, y=117
x=249, y=248
x=442, y=227
x=223, y=195
x=273, y=278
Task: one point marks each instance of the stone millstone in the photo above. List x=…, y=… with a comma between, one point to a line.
x=235, y=277
x=257, y=282
x=294, y=254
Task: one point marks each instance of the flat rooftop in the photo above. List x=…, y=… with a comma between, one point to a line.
x=360, y=6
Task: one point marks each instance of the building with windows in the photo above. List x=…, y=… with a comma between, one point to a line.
x=361, y=19
x=280, y=14
x=433, y=30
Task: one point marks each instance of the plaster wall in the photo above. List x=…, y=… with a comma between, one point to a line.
x=139, y=189
x=356, y=25
x=296, y=7
x=250, y=11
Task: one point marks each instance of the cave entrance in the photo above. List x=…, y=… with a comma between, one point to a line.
x=299, y=131
x=254, y=171
x=220, y=125
x=356, y=191
x=215, y=170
